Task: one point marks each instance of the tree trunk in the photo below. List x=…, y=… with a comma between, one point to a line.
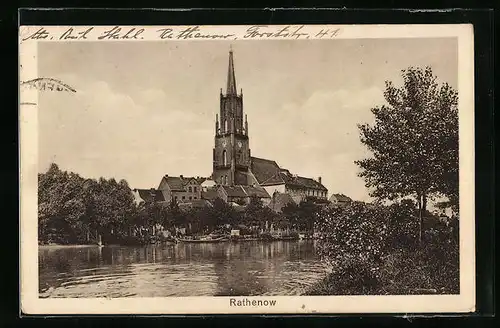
x=422, y=211
x=424, y=203
x=420, y=219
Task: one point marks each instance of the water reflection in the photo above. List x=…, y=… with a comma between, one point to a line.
x=247, y=268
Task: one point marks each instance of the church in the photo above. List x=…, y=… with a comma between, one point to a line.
x=237, y=176
x=234, y=167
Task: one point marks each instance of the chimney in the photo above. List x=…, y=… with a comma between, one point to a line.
x=181, y=176
x=319, y=179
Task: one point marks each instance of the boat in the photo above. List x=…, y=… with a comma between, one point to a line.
x=203, y=240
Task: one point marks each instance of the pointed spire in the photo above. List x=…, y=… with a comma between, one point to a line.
x=231, y=79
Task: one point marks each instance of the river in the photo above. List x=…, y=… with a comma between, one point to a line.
x=247, y=268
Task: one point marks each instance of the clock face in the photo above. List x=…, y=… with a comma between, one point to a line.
x=224, y=143
x=240, y=144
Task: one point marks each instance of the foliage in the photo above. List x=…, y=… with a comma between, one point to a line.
x=72, y=209
x=372, y=250
x=414, y=141
x=353, y=235
x=300, y=216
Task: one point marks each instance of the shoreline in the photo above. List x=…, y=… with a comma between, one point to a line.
x=59, y=246
x=65, y=246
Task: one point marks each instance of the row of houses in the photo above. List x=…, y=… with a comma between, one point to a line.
x=201, y=191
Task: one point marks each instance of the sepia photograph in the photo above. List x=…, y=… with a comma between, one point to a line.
x=247, y=168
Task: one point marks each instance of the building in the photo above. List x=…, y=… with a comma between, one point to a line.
x=275, y=179
x=181, y=189
x=208, y=184
x=142, y=196
x=280, y=200
x=340, y=199
x=233, y=164
x=242, y=194
x=231, y=154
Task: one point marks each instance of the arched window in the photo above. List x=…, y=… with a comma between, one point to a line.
x=224, y=157
x=225, y=125
x=225, y=179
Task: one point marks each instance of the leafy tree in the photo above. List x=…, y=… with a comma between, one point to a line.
x=414, y=141
x=256, y=214
x=72, y=209
x=174, y=213
x=223, y=213
x=301, y=216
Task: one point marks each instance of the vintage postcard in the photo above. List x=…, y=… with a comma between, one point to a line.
x=247, y=169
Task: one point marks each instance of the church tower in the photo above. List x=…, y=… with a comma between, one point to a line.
x=231, y=155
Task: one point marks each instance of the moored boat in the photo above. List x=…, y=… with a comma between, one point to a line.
x=203, y=240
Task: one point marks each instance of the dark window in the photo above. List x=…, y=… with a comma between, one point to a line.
x=183, y=197
x=195, y=198
x=195, y=189
x=189, y=189
x=224, y=158
x=190, y=198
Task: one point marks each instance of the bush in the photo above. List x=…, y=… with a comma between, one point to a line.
x=373, y=250
x=352, y=235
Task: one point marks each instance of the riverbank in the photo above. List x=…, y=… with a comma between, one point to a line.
x=401, y=272
x=56, y=246
x=187, y=239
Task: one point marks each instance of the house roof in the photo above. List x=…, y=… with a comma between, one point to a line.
x=267, y=172
x=178, y=183
x=147, y=195
x=209, y=194
x=237, y=207
x=196, y=203
x=159, y=196
x=234, y=191
x=340, y=198
x=279, y=200
x=301, y=182
x=245, y=191
x=252, y=191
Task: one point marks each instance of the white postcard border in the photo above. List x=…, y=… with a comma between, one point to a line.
x=31, y=304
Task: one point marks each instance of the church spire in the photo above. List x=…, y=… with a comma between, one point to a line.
x=231, y=79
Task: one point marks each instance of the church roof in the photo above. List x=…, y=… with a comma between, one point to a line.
x=267, y=172
x=231, y=79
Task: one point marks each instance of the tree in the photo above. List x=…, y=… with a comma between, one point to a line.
x=414, y=141
x=72, y=209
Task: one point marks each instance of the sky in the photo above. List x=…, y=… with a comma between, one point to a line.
x=146, y=109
